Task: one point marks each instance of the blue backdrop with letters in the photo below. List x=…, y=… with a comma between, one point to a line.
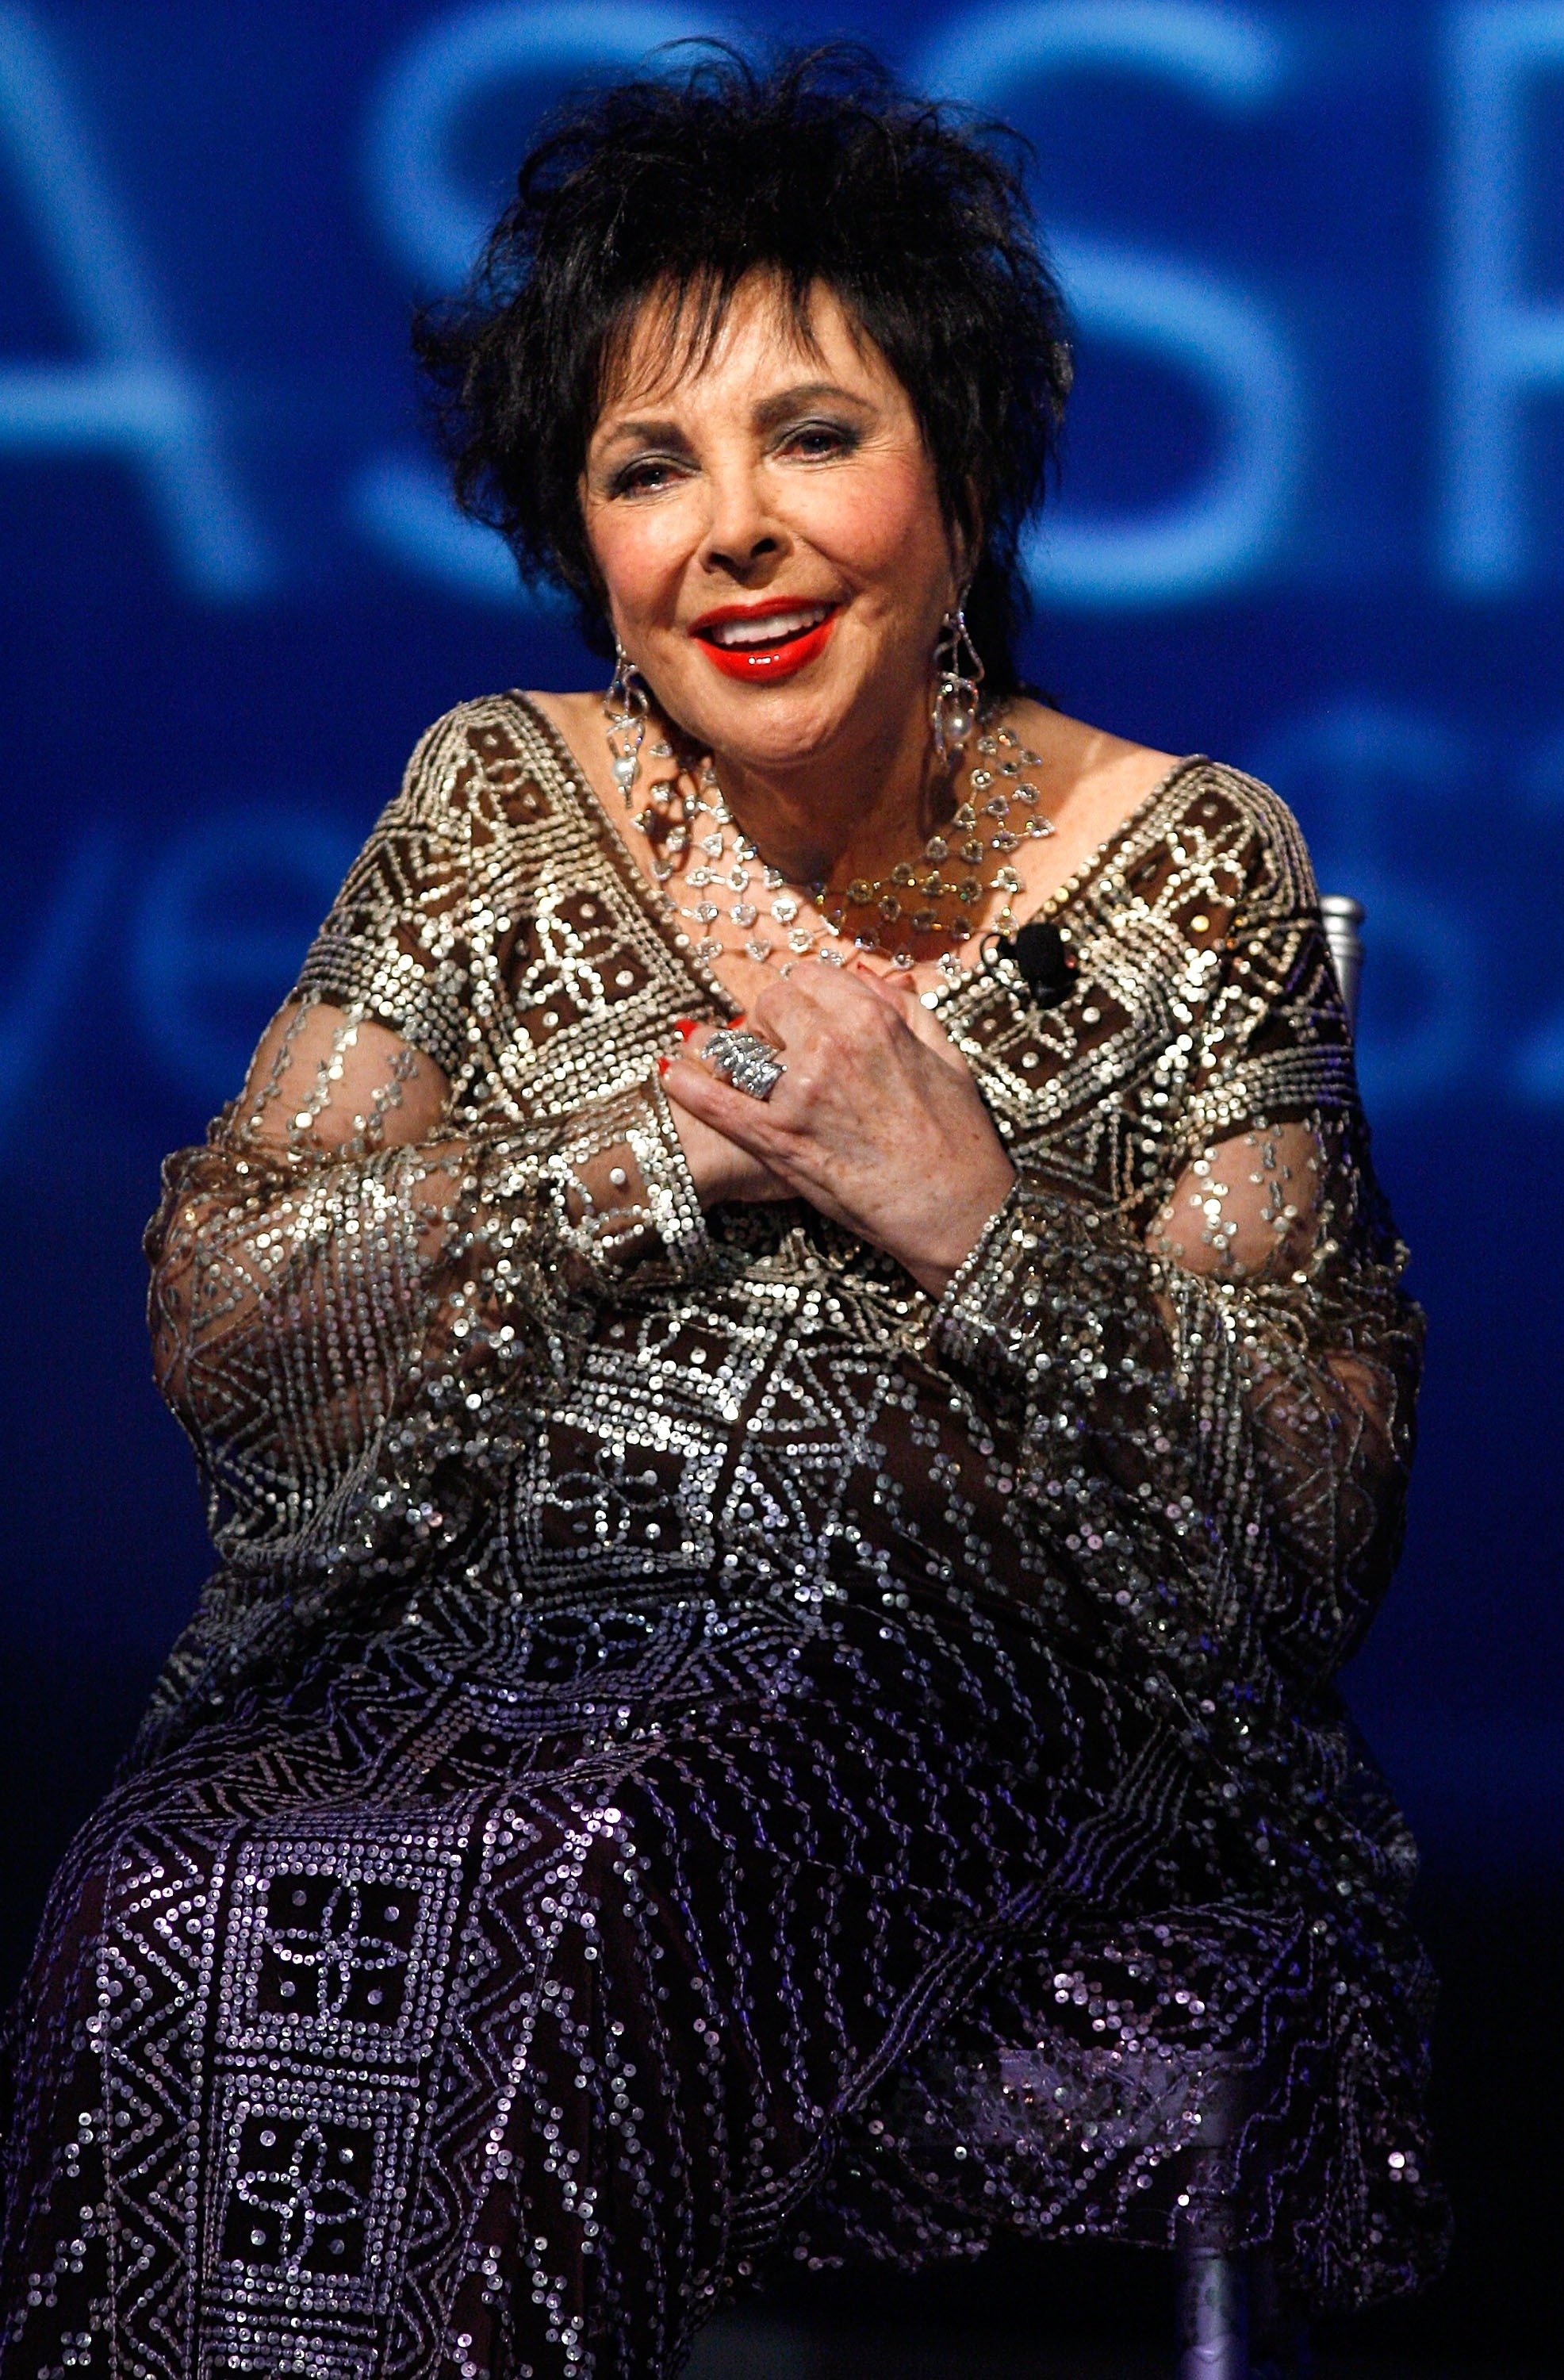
x=1312, y=523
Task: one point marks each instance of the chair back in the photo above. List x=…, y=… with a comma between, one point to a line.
x=1342, y=918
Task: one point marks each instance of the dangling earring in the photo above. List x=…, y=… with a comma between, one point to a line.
x=958, y=673
x=624, y=709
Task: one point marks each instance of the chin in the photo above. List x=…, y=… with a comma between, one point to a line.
x=774, y=726
x=776, y=733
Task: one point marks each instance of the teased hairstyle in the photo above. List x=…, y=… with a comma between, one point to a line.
x=818, y=169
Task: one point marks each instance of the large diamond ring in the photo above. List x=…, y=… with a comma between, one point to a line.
x=743, y=1059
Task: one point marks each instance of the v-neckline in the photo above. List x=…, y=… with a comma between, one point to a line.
x=578, y=787
x=1054, y=904
x=1064, y=896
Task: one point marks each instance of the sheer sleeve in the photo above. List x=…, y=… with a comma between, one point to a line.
x=1239, y=1371
x=362, y=1235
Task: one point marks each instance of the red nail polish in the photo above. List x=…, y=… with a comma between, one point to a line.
x=685, y=1026
x=663, y=1065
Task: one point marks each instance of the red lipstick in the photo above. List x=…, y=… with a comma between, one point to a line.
x=763, y=665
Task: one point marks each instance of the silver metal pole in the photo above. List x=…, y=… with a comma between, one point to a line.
x=1213, y=2315
x=1210, y=2282
x=1342, y=917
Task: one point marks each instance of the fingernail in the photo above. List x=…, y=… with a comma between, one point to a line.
x=740, y=1017
x=663, y=1065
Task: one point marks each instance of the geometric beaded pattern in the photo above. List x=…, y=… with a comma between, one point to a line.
x=695, y=1751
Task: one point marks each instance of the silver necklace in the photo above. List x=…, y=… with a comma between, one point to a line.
x=697, y=844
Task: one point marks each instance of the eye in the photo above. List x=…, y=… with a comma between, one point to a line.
x=816, y=440
x=643, y=476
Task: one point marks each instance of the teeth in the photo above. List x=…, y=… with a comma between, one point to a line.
x=770, y=630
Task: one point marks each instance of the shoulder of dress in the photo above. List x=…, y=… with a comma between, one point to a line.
x=1227, y=804
x=493, y=756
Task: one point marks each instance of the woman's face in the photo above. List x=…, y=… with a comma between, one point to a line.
x=769, y=535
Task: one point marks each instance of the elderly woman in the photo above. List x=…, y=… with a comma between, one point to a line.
x=803, y=1387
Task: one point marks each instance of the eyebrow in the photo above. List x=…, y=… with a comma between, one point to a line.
x=767, y=414
x=809, y=392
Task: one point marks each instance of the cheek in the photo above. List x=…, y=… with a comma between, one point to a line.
x=641, y=555
x=883, y=526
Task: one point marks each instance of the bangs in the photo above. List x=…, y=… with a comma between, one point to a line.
x=681, y=319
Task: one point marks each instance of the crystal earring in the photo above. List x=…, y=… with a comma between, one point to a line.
x=958, y=673
x=624, y=709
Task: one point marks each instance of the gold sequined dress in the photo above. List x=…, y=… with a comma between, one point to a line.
x=695, y=1752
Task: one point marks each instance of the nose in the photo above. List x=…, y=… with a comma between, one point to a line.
x=743, y=541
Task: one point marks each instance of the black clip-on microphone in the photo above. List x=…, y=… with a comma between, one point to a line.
x=1043, y=959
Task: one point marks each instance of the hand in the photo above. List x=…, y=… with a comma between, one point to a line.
x=876, y=1122
x=719, y=1168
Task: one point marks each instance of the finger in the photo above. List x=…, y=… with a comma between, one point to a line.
x=926, y=1025
x=700, y=1046
x=900, y=994
x=838, y=987
x=741, y=1174
x=697, y=1038
x=786, y=1010
x=896, y=989
x=827, y=989
x=733, y=1114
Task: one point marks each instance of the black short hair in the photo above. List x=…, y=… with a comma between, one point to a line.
x=815, y=167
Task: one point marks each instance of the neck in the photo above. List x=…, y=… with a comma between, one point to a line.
x=855, y=808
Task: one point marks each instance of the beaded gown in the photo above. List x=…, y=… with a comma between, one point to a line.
x=695, y=1752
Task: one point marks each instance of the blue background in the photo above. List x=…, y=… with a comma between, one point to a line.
x=1311, y=519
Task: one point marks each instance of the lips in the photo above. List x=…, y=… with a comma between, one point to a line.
x=758, y=643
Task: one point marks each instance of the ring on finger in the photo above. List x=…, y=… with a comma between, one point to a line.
x=750, y=1064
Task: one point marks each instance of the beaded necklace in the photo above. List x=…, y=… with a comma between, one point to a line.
x=922, y=897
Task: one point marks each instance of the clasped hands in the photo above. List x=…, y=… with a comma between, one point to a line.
x=876, y=1122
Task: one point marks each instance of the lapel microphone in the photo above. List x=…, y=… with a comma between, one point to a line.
x=1043, y=959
